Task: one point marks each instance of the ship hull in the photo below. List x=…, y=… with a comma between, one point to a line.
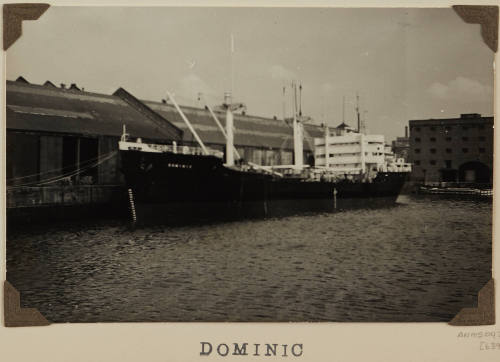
x=179, y=188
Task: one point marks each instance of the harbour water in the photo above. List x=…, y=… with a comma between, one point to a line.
x=421, y=260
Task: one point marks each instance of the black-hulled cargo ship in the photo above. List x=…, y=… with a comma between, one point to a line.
x=171, y=183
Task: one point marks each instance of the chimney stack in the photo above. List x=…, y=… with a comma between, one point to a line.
x=63, y=86
x=406, y=131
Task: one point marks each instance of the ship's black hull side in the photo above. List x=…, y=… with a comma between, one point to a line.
x=178, y=188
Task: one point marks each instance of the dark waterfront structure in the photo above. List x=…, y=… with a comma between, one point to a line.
x=452, y=150
x=401, y=146
x=62, y=143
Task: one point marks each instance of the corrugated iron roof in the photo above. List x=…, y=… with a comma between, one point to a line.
x=250, y=130
x=47, y=109
x=52, y=109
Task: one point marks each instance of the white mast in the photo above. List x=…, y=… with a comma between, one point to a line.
x=229, y=130
x=212, y=113
x=230, y=107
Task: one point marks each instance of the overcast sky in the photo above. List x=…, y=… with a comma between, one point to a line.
x=405, y=63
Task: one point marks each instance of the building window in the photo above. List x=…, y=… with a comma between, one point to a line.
x=417, y=150
x=433, y=150
x=448, y=150
x=482, y=138
x=432, y=162
x=433, y=139
x=433, y=128
x=417, y=139
x=417, y=129
x=481, y=150
x=417, y=162
x=465, y=128
x=447, y=163
x=465, y=138
x=447, y=129
x=481, y=126
x=465, y=150
x=448, y=139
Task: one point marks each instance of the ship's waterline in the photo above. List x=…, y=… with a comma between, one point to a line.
x=422, y=259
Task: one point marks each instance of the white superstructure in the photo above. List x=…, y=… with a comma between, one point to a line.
x=398, y=165
x=350, y=152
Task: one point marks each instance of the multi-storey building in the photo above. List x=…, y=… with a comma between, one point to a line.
x=343, y=150
x=453, y=149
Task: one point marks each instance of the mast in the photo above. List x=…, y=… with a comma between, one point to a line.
x=343, y=109
x=230, y=107
x=298, y=133
x=232, y=64
x=300, y=100
x=284, y=104
x=363, y=121
x=229, y=130
x=217, y=122
x=357, y=112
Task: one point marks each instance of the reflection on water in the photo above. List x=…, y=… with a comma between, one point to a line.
x=421, y=260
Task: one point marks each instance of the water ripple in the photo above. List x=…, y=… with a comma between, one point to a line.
x=422, y=260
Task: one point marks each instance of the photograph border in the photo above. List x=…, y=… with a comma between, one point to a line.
x=343, y=333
